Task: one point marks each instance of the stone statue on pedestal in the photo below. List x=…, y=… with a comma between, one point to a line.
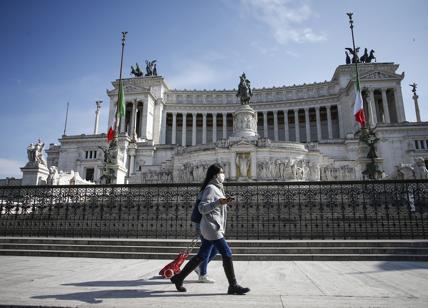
x=35, y=154
x=243, y=162
x=244, y=90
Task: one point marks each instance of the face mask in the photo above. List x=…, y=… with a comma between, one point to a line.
x=221, y=177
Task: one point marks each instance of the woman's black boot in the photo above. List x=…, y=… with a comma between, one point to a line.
x=190, y=266
x=234, y=287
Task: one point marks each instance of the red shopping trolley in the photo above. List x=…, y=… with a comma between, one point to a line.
x=174, y=267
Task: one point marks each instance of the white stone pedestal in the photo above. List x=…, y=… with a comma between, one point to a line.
x=245, y=123
x=34, y=174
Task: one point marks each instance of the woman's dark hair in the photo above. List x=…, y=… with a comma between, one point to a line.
x=211, y=172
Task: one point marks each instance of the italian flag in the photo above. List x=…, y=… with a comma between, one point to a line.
x=120, y=112
x=358, y=106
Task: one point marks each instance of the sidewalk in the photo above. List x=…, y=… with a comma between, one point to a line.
x=89, y=282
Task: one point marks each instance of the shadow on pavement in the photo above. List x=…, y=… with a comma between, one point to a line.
x=126, y=283
x=389, y=266
x=96, y=297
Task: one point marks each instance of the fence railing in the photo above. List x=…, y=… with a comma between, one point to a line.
x=268, y=210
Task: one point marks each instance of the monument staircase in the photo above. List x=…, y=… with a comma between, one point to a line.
x=243, y=250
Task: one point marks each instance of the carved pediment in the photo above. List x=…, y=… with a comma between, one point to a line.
x=128, y=88
x=378, y=75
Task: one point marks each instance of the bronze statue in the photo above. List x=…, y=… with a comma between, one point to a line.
x=371, y=57
x=136, y=71
x=151, y=68
x=355, y=58
x=364, y=57
x=244, y=90
x=413, y=85
x=348, y=59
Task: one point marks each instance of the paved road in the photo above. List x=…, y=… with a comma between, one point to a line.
x=85, y=282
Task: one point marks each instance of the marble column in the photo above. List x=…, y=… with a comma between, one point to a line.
x=329, y=124
x=184, y=129
x=417, y=111
x=97, y=116
x=214, y=127
x=372, y=109
x=265, y=124
x=318, y=119
x=131, y=164
x=296, y=124
x=275, y=125
x=340, y=121
x=174, y=128
x=204, y=128
x=163, y=132
x=308, y=126
x=385, y=107
x=224, y=125
x=133, y=126
x=399, y=104
x=194, y=128
x=286, y=128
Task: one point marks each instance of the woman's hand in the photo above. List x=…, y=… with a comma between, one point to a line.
x=226, y=200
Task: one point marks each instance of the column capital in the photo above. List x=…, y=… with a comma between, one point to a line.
x=174, y=113
x=265, y=112
x=194, y=114
x=317, y=107
x=184, y=114
x=204, y=114
x=275, y=111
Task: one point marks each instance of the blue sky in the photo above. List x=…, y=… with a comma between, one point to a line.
x=54, y=52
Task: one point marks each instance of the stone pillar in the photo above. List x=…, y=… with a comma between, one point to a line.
x=275, y=125
x=183, y=132
x=318, y=119
x=133, y=132
x=194, y=128
x=418, y=113
x=329, y=124
x=372, y=109
x=340, y=121
x=286, y=128
x=163, y=132
x=385, y=107
x=174, y=128
x=265, y=124
x=132, y=148
x=308, y=126
x=204, y=128
x=399, y=104
x=97, y=116
x=253, y=166
x=224, y=125
x=296, y=124
x=144, y=121
x=214, y=127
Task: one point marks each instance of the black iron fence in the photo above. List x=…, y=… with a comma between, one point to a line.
x=298, y=210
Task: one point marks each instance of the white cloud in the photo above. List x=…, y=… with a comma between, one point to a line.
x=284, y=19
x=10, y=168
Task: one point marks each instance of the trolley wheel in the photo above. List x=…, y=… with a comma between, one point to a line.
x=168, y=273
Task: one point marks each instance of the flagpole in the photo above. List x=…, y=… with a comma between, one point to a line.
x=66, y=117
x=120, y=85
x=351, y=25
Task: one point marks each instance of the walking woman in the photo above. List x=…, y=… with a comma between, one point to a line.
x=213, y=207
